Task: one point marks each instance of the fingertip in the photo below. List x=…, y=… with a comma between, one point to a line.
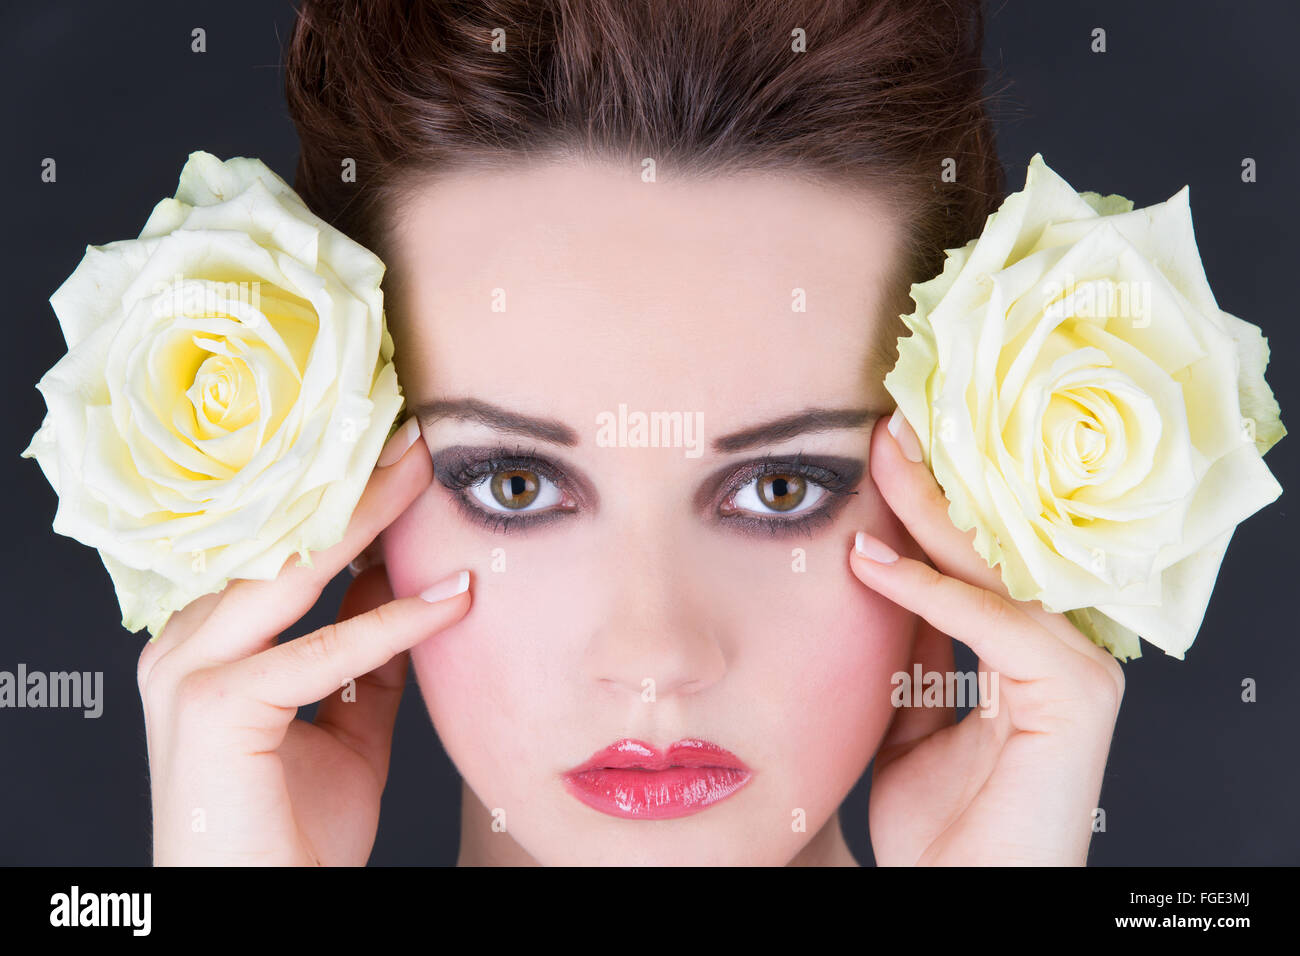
x=399, y=443
x=397, y=478
x=415, y=467
x=444, y=606
x=906, y=438
x=869, y=573
x=448, y=587
x=873, y=549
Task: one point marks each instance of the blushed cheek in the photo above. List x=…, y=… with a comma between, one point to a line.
x=489, y=680
x=428, y=542
x=828, y=655
x=805, y=698
x=870, y=639
x=471, y=687
x=838, y=675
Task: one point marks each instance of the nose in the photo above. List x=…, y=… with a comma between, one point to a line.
x=656, y=633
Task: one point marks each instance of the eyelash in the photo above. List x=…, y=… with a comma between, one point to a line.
x=835, y=485
x=462, y=475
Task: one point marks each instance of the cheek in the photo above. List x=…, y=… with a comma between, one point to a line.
x=812, y=651
x=836, y=708
x=809, y=650
x=482, y=678
x=814, y=654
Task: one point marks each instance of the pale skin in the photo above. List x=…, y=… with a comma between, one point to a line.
x=671, y=296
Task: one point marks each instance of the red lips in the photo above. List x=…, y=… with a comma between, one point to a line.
x=631, y=779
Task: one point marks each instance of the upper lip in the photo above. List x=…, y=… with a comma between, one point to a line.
x=689, y=752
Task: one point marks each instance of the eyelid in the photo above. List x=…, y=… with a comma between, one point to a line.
x=454, y=459
x=838, y=475
x=834, y=483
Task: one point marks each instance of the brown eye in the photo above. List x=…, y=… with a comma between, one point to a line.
x=781, y=492
x=516, y=488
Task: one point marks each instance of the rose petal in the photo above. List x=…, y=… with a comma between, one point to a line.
x=1187, y=587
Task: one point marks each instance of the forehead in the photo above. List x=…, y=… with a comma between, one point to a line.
x=568, y=288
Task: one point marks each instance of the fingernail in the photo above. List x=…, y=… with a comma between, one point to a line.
x=874, y=549
x=358, y=564
x=402, y=439
x=449, y=586
x=908, y=443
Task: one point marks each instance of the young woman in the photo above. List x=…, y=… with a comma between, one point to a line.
x=651, y=644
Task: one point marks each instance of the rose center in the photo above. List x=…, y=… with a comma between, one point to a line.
x=1089, y=442
x=1083, y=437
x=224, y=392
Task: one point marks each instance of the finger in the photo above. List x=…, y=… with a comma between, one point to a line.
x=997, y=629
x=914, y=495
x=303, y=671
x=364, y=720
x=179, y=626
x=252, y=613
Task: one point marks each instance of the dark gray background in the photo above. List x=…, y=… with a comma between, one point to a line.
x=1185, y=91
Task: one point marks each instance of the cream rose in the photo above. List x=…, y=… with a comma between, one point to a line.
x=226, y=392
x=1088, y=408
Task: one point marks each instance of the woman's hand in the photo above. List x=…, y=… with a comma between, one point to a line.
x=236, y=778
x=1019, y=787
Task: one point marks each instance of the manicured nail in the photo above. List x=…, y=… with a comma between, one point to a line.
x=908, y=443
x=402, y=439
x=449, y=586
x=874, y=549
x=358, y=564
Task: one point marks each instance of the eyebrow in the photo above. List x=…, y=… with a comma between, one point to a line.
x=556, y=432
x=502, y=419
x=783, y=429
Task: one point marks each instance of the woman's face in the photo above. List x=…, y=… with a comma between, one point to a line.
x=681, y=582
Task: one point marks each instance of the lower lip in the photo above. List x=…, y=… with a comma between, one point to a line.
x=638, y=794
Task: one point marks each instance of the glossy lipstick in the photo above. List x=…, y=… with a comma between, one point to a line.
x=632, y=779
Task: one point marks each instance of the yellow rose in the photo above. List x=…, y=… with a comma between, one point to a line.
x=1088, y=408
x=227, y=389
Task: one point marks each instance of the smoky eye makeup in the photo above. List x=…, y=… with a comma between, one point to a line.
x=509, y=489
x=505, y=488
x=777, y=495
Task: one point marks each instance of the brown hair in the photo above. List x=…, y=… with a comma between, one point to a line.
x=886, y=91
